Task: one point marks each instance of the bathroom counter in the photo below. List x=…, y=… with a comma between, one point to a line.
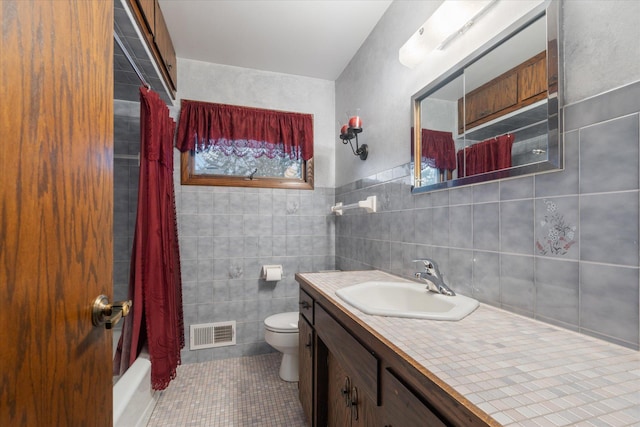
x=517, y=370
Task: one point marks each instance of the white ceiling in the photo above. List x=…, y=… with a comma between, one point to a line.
x=313, y=38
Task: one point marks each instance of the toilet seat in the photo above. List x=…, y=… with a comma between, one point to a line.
x=282, y=322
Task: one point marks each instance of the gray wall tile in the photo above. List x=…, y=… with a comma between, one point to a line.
x=460, y=226
x=609, y=228
x=606, y=290
x=609, y=155
x=486, y=277
x=517, y=188
x=557, y=290
x=516, y=227
x=486, y=226
x=489, y=192
x=440, y=220
x=517, y=287
x=609, y=105
x=563, y=182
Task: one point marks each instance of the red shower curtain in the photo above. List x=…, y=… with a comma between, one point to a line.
x=155, y=285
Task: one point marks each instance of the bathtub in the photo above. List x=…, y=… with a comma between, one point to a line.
x=133, y=398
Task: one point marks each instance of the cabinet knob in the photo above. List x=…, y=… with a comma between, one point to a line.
x=304, y=304
x=354, y=403
x=309, y=342
x=346, y=391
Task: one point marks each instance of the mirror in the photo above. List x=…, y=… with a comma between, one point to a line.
x=494, y=115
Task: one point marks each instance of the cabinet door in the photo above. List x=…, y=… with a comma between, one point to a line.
x=365, y=412
x=165, y=46
x=338, y=394
x=148, y=9
x=401, y=407
x=305, y=367
x=306, y=306
x=532, y=79
x=491, y=98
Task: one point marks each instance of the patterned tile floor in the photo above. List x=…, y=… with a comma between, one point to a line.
x=237, y=392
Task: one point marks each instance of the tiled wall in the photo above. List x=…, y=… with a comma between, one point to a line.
x=226, y=235
x=560, y=247
x=125, y=178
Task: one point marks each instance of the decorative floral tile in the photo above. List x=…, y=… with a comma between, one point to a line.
x=556, y=233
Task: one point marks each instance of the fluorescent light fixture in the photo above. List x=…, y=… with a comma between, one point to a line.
x=436, y=34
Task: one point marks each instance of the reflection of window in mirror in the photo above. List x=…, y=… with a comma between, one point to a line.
x=245, y=147
x=439, y=119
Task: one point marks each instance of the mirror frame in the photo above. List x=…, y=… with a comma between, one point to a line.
x=555, y=159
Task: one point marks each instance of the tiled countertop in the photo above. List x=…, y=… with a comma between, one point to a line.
x=517, y=370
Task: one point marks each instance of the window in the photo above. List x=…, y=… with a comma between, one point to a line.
x=244, y=147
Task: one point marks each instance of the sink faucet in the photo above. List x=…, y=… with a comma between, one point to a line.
x=432, y=276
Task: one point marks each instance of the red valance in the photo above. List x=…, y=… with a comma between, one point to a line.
x=486, y=156
x=204, y=124
x=437, y=149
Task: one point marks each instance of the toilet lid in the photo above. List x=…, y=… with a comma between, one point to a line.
x=282, y=322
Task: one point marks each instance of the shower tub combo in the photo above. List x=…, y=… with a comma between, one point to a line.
x=133, y=398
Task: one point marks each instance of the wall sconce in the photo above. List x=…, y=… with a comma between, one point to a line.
x=350, y=131
x=436, y=34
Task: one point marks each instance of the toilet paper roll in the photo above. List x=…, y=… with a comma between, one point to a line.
x=272, y=273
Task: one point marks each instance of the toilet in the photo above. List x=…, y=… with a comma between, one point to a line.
x=281, y=333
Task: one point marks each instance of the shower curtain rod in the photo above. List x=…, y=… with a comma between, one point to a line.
x=130, y=59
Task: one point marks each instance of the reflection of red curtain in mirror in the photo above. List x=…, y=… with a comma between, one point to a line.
x=486, y=156
x=437, y=149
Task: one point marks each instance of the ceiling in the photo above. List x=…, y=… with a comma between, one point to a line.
x=312, y=38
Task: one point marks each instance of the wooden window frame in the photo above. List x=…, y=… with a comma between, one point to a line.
x=189, y=177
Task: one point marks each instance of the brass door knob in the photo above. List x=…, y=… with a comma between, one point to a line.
x=107, y=314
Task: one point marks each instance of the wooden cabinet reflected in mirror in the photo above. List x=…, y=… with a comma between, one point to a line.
x=496, y=114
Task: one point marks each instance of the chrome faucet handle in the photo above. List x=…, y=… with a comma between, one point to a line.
x=428, y=263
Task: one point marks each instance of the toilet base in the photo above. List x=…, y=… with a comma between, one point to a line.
x=289, y=367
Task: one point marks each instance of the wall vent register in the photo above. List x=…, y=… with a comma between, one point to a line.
x=208, y=335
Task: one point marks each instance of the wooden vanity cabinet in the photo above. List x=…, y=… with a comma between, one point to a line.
x=352, y=375
x=360, y=380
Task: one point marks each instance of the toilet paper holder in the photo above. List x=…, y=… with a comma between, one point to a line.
x=271, y=273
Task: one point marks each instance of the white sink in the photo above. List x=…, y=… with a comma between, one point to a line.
x=405, y=299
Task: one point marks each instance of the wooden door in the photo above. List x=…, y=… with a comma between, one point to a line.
x=56, y=196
